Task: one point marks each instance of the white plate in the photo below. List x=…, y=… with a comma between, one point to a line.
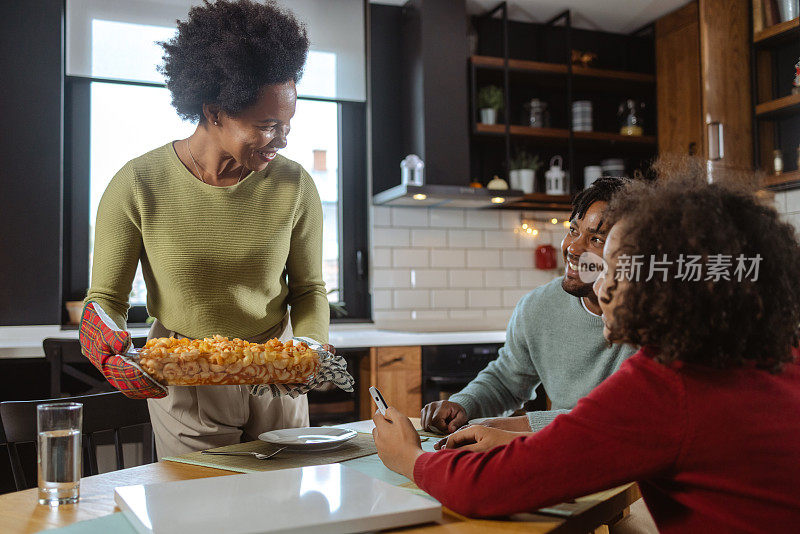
x=314, y=438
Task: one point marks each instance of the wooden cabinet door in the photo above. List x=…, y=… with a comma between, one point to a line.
x=678, y=84
x=397, y=372
x=725, y=60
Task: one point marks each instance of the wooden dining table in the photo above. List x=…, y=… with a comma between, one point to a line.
x=21, y=513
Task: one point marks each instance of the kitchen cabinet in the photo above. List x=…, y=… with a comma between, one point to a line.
x=397, y=372
x=702, y=68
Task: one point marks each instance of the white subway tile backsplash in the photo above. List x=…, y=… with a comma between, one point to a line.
x=381, y=316
x=391, y=237
x=410, y=299
x=483, y=258
x=449, y=298
x=428, y=315
x=510, y=219
x=485, y=298
x=484, y=219
x=499, y=316
x=381, y=257
x=410, y=257
x=465, y=315
x=448, y=257
x=421, y=278
x=466, y=278
x=381, y=216
x=391, y=278
x=458, y=266
x=512, y=296
x=793, y=201
x=780, y=202
x=501, y=278
x=409, y=217
x=521, y=259
x=429, y=238
x=532, y=278
x=447, y=218
x=381, y=299
x=500, y=238
x=465, y=238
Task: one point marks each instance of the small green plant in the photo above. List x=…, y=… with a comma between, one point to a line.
x=337, y=308
x=523, y=160
x=490, y=96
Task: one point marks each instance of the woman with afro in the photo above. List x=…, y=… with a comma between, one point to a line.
x=228, y=232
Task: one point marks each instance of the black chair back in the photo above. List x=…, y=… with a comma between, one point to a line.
x=65, y=358
x=101, y=412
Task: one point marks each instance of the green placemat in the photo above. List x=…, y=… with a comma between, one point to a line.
x=361, y=445
x=115, y=523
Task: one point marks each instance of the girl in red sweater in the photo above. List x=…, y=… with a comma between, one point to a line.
x=706, y=416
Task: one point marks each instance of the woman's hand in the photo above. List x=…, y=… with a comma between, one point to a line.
x=478, y=438
x=397, y=441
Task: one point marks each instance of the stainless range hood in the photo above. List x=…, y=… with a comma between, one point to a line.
x=445, y=196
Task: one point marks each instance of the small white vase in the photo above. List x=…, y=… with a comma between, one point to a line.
x=488, y=116
x=527, y=178
x=513, y=179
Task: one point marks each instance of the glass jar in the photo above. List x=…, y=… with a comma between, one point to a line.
x=630, y=117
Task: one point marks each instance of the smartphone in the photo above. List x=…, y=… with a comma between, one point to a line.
x=379, y=400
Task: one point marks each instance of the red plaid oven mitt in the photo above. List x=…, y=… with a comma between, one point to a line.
x=103, y=343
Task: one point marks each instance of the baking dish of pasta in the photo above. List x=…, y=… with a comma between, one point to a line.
x=221, y=361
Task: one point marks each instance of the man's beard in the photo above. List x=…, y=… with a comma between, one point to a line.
x=579, y=290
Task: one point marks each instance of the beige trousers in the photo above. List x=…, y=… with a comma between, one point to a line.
x=193, y=418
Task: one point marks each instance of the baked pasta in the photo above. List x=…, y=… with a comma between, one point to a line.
x=219, y=360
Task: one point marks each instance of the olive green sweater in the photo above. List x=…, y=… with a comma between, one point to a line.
x=216, y=260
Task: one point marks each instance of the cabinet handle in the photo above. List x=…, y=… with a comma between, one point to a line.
x=393, y=360
x=716, y=150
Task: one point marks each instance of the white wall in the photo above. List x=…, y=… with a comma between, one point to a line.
x=788, y=205
x=453, y=269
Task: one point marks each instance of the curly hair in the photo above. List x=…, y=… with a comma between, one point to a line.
x=227, y=51
x=724, y=323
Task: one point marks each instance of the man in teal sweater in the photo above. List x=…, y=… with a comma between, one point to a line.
x=555, y=337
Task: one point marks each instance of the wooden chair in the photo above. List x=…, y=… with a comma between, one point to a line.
x=63, y=355
x=101, y=412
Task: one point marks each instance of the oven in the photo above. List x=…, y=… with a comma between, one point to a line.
x=446, y=369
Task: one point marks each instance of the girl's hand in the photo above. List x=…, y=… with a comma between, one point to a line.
x=397, y=441
x=478, y=438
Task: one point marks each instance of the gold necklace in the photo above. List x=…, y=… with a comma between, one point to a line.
x=197, y=167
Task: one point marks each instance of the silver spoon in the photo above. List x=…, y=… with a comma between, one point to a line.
x=258, y=455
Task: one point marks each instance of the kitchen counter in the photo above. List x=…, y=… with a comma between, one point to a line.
x=26, y=341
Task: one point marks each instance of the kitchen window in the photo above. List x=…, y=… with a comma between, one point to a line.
x=121, y=109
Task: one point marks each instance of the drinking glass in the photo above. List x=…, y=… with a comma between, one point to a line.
x=59, y=459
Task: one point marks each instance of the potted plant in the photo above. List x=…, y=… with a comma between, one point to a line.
x=490, y=102
x=523, y=171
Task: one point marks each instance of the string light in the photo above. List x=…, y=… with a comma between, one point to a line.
x=554, y=221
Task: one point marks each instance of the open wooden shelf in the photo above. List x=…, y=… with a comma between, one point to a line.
x=618, y=75
x=777, y=33
x=542, y=201
x=551, y=134
x=562, y=134
x=490, y=62
x=784, y=179
x=522, y=65
x=781, y=107
x=615, y=138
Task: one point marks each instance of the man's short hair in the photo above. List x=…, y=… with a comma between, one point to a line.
x=602, y=190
